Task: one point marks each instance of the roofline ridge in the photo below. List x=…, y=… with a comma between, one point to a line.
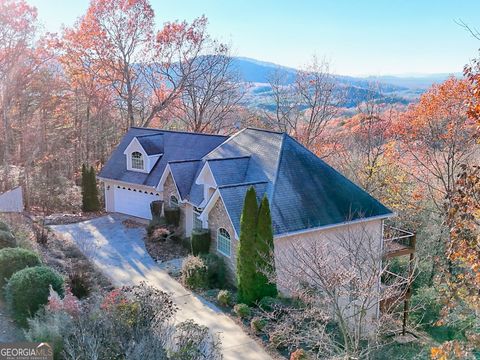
x=266, y=130
x=244, y=184
x=274, y=184
x=182, y=161
x=230, y=158
x=147, y=135
x=177, y=131
x=223, y=143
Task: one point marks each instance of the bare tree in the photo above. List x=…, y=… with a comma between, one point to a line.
x=172, y=58
x=211, y=95
x=302, y=109
x=367, y=140
x=338, y=278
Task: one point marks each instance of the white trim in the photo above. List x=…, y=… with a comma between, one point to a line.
x=164, y=177
x=306, y=231
x=201, y=173
x=204, y=215
x=230, y=245
x=138, y=159
x=209, y=205
x=137, y=147
x=124, y=183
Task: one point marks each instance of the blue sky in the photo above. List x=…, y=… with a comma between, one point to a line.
x=358, y=37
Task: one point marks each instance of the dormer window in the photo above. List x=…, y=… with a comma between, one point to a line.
x=137, y=161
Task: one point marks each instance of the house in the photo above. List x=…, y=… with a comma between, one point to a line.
x=207, y=177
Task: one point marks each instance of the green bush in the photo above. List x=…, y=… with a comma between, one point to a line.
x=200, y=241
x=224, y=298
x=79, y=283
x=258, y=324
x=90, y=200
x=28, y=289
x=172, y=214
x=156, y=208
x=426, y=307
x=7, y=239
x=4, y=227
x=194, y=273
x=268, y=303
x=215, y=270
x=242, y=310
x=15, y=259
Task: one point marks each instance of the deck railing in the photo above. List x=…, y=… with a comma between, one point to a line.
x=398, y=242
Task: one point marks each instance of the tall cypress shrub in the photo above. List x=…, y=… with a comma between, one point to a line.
x=95, y=203
x=90, y=200
x=265, y=252
x=86, y=198
x=246, y=267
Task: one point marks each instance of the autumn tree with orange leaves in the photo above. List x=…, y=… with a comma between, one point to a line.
x=108, y=43
x=436, y=136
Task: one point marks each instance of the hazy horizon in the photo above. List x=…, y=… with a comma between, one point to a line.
x=358, y=39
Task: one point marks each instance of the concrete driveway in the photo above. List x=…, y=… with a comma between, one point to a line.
x=120, y=253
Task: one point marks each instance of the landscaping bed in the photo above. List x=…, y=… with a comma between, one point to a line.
x=59, y=253
x=165, y=250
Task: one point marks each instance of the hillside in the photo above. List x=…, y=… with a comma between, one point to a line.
x=394, y=89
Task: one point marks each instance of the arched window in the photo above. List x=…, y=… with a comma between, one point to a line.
x=223, y=242
x=137, y=160
x=173, y=201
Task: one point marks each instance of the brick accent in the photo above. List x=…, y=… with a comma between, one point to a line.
x=218, y=218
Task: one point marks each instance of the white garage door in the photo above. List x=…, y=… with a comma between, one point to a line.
x=134, y=202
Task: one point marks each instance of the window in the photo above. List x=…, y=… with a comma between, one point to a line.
x=197, y=223
x=223, y=242
x=173, y=201
x=137, y=160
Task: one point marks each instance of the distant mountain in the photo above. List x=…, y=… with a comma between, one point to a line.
x=392, y=89
x=256, y=71
x=420, y=81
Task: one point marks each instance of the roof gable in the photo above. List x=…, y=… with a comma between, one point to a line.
x=183, y=173
x=177, y=145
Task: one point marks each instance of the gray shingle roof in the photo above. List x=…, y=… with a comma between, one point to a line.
x=176, y=146
x=183, y=173
x=230, y=170
x=152, y=144
x=233, y=197
x=309, y=193
x=304, y=192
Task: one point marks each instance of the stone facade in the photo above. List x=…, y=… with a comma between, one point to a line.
x=218, y=218
x=170, y=189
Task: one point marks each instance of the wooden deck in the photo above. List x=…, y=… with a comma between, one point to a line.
x=398, y=242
